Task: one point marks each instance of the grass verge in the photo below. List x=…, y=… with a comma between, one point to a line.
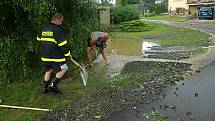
x=174, y=18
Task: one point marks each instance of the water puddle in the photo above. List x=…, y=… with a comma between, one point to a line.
x=153, y=50
x=146, y=46
x=99, y=70
x=150, y=52
x=120, y=52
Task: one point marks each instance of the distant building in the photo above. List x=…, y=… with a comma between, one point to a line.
x=184, y=7
x=104, y=14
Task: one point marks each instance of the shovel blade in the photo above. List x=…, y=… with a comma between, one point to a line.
x=84, y=75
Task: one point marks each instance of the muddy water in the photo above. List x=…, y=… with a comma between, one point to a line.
x=150, y=52
x=190, y=100
x=153, y=50
x=99, y=69
x=124, y=47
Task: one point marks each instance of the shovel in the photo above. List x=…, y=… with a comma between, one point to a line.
x=83, y=72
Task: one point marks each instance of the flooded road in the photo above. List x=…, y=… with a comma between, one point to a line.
x=190, y=100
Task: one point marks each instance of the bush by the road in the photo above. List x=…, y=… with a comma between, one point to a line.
x=133, y=26
x=21, y=21
x=124, y=13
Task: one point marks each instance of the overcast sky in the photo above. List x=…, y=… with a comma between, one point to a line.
x=112, y=1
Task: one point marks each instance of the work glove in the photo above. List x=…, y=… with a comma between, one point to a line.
x=102, y=46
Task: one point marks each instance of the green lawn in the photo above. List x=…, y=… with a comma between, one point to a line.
x=129, y=43
x=174, y=18
x=212, y=21
x=28, y=92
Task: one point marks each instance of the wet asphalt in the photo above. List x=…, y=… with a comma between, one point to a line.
x=190, y=100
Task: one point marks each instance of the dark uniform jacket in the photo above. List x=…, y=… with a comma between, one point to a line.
x=54, y=44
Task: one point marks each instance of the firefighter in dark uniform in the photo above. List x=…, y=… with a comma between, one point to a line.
x=55, y=52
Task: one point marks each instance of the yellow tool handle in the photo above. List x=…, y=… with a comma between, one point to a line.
x=27, y=108
x=76, y=63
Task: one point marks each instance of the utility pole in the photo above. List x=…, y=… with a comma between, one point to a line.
x=142, y=7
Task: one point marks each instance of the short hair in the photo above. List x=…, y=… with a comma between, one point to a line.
x=57, y=16
x=88, y=39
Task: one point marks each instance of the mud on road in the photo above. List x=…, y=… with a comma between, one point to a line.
x=157, y=76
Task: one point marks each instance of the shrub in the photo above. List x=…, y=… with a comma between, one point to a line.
x=149, y=14
x=124, y=13
x=22, y=20
x=134, y=26
x=14, y=60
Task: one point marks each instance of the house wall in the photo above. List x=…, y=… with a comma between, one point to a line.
x=173, y=4
x=193, y=9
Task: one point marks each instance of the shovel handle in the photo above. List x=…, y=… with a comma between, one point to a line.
x=27, y=108
x=76, y=63
x=83, y=73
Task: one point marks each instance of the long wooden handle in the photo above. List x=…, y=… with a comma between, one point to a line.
x=83, y=72
x=27, y=108
x=76, y=63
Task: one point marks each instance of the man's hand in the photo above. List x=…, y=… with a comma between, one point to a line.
x=68, y=57
x=107, y=63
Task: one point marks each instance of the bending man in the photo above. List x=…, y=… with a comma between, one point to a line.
x=98, y=41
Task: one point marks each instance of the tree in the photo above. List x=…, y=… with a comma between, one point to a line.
x=127, y=2
x=21, y=21
x=124, y=13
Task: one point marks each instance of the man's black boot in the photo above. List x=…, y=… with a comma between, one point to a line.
x=45, y=88
x=53, y=85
